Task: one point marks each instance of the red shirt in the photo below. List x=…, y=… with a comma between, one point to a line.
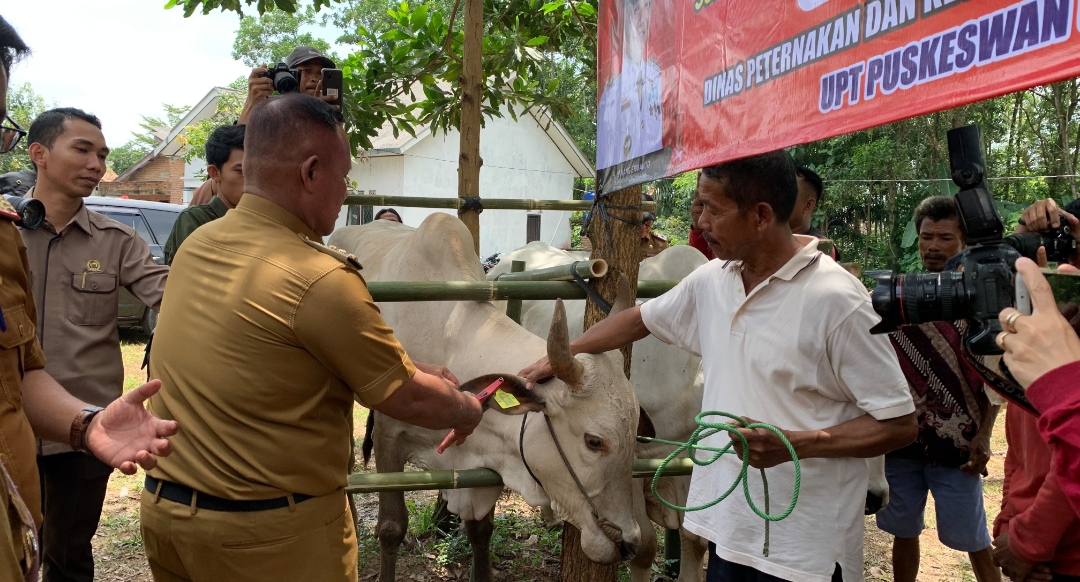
x=698, y=242
x=1042, y=526
x=1056, y=395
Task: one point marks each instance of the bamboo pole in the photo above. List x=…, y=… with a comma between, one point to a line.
x=513, y=307
x=493, y=290
x=489, y=203
x=584, y=269
x=468, y=478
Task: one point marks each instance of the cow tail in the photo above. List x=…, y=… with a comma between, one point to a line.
x=369, y=441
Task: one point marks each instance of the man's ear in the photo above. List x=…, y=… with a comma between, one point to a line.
x=764, y=214
x=38, y=153
x=307, y=172
x=213, y=173
x=511, y=398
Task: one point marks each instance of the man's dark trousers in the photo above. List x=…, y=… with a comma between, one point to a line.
x=72, y=493
x=721, y=570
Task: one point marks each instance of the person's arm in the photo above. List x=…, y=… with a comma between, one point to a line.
x=1056, y=395
x=860, y=437
x=1034, y=533
x=122, y=435
x=259, y=88
x=609, y=334
x=141, y=274
x=430, y=401
x=979, y=454
x=183, y=227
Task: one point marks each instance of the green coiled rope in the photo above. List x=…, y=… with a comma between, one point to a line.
x=707, y=429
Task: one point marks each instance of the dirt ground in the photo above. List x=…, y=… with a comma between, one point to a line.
x=524, y=550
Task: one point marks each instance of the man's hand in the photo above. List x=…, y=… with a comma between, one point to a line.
x=537, y=373
x=439, y=371
x=328, y=98
x=978, y=456
x=125, y=433
x=766, y=448
x=259, y=88
x=1044, y=215
x=1017, y=569
x=470, y=418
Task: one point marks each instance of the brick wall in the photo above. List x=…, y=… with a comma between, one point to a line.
x=160, y=180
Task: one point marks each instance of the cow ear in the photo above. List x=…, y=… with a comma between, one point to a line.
x=512, y=397
x=645, y=426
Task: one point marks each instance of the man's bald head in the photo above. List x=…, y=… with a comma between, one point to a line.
x=297, y=156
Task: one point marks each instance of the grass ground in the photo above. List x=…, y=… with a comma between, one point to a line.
x=524, y=550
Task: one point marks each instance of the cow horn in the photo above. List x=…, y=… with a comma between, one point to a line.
x=563, y=363
x=623, y=300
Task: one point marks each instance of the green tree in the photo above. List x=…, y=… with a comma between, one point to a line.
x=152, y=128
x=123, y=157
x=24, y=105
x=268, y=38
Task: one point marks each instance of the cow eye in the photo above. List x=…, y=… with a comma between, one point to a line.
x=594, y=442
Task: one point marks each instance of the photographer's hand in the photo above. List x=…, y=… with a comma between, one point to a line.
x=328, y=98
x=1043, y=340
x=259, y=88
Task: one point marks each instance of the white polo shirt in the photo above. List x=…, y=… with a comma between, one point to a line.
x=796, y=353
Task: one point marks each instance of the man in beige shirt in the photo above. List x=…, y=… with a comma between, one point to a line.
x=79, y=260
x=265, y=338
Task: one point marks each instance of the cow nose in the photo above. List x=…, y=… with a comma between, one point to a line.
x=627, y=550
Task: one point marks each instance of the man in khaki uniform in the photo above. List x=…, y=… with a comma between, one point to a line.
x=122, y=435
x=651, y=243
x=265, y=338
x=79, y=260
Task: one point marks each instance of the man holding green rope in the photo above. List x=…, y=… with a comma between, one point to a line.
x=784, y=340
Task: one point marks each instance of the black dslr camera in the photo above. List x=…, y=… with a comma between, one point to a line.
x=28, y=213
x=986, y=284
x=285, y=80
x=1058, y=242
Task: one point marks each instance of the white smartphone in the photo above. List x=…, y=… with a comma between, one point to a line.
x=1066, y=288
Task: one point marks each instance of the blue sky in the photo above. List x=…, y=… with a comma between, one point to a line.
x=120, y=59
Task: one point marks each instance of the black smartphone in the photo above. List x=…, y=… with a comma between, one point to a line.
x=1066, y=288
x=333, y=84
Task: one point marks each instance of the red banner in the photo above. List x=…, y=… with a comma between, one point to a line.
x=689, y=84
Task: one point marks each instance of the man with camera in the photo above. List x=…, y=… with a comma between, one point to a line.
x=123, y=435
x=956, y=419
x=783, y=336
x=79, y=261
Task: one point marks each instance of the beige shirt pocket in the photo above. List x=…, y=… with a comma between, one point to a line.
x=93, y=299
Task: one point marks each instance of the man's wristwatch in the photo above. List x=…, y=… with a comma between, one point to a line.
x=77, y=439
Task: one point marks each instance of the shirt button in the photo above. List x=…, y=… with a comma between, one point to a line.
x=93, y=286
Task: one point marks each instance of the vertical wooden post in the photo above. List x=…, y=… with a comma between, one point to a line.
x=513, y=306
x=621, y=251
x=471, y=80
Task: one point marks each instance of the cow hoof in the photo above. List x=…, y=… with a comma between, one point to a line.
x=874, y=503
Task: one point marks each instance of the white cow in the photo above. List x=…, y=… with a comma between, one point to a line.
x=590, y=407
x=669, y=383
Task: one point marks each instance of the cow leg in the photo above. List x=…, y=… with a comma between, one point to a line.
x=479, y=533
x=641, y=563
x=877, y=494
x=393, y=514
x=692, y=557
x=547, y=515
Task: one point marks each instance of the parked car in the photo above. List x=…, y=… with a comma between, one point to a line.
x=153, y=221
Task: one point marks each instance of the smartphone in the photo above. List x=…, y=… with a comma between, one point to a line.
x=333, y=84
x=1066, y=288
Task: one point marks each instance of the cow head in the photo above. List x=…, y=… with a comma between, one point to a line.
x=592, y=413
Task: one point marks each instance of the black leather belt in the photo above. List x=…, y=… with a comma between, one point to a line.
x=182, y=494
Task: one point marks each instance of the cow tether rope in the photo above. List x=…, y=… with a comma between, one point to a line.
x=707, y=429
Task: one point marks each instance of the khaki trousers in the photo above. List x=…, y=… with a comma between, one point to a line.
x=314, y=540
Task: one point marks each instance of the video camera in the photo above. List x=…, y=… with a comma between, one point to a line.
x=28, y=213
x=285, y=80
x=985, y=285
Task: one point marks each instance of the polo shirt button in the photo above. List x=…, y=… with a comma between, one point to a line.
x=93, y=286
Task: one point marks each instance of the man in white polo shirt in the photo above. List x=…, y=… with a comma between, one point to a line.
x=784, y=339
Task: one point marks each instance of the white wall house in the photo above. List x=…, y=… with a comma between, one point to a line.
x=532, y=157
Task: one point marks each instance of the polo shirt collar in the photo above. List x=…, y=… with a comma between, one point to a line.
x=81, y=218
x=806, y=256
x=263, y=207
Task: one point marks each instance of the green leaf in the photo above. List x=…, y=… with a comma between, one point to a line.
x=585, y=9
x=420, y=16
x=395, y=34
x=910, y=235
x=551, y=6
x=536, y=40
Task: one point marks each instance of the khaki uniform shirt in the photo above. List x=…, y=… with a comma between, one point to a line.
x=652, y=245
x=262, y=343
x=77, y=275
x=19, y=353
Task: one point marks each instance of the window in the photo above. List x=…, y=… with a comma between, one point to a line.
x=354, y=215
x=134, y=221
x=161, y=222
x=532, y=228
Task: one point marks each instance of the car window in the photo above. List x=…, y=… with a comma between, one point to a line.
x=134, y=221
x=161, y=222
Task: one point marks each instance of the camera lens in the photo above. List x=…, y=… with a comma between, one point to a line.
x=285, y=82
x=914, y=298
x=31, y=212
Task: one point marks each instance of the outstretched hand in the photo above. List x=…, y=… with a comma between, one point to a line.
x=126, y=434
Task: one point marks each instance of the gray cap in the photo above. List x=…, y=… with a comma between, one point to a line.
x=303, y=54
